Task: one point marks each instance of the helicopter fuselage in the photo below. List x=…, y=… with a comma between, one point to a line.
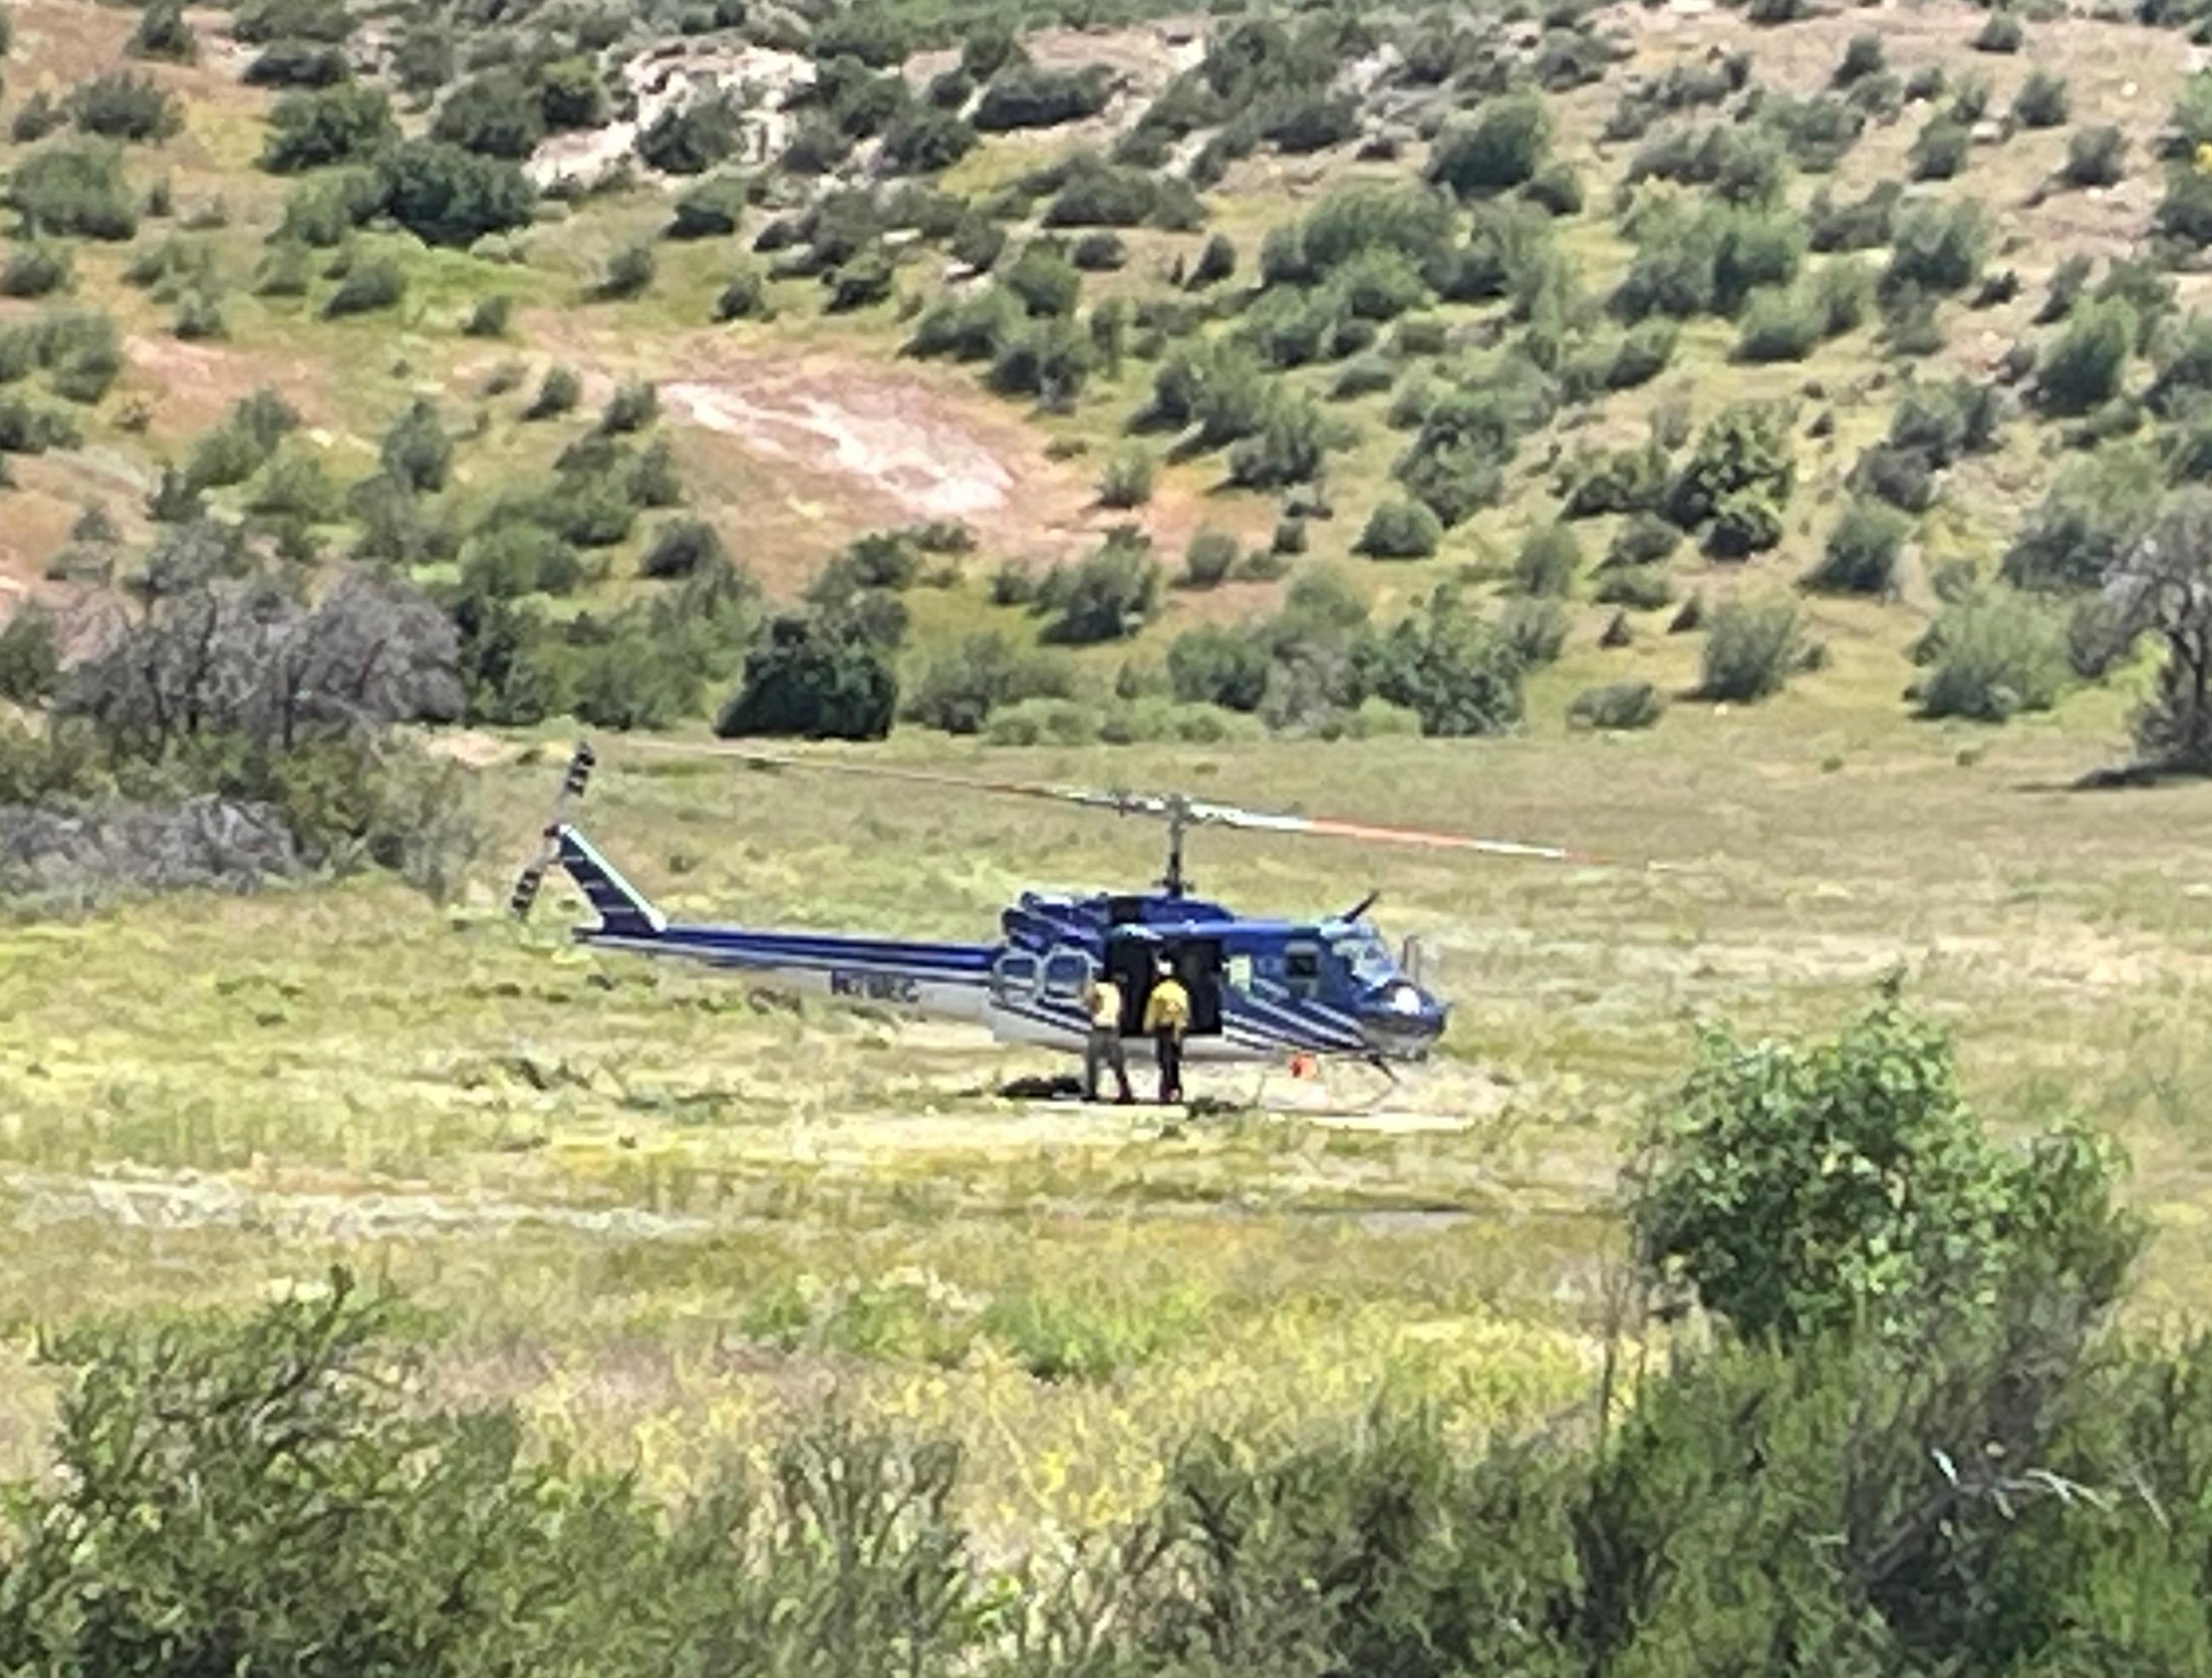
x=1261, y=990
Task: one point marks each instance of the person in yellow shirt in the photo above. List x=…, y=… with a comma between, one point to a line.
x=1167, y=1016
x=1101, y=1048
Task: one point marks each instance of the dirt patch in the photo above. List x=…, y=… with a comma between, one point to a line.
x=836, y=445
x=192, y=386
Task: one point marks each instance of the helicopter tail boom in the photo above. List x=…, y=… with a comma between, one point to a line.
x=623, y=910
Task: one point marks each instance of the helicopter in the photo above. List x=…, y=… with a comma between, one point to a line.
x=1261, y=990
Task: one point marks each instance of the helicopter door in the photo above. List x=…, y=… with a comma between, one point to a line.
x=1130, y=964
x=1198, y=965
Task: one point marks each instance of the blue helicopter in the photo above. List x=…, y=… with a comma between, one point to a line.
x=1261, y=990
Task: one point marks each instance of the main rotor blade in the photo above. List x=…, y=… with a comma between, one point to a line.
x=1195, y=811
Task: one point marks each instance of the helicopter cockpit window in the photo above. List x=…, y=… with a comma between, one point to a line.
x=1238, y=972
x=1366, y=957
x=1302, y=968
x=1014, y=977
x=1065, y=971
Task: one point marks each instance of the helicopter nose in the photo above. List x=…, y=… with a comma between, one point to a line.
x=1400, y=1020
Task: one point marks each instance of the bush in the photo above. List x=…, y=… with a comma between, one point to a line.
x=712, y=208
x=1936, y=247
x=1842, y=296
x=1454, y=671
x=1861, y=551
x=684, y=548
x=1400, y=529
x=1863, y=57
x=691, y=138
x=1939, y=150
x=1548, y=559
x=416, y=454
x=1638, y=587
x=958, y=690
x=1208, y=559
x=1099, y=253
x=2095, y=157
x=1745, y=453
x=570, y=95
x=73, y=189
x=1644, y=538
x=2043, y=101
x=30, y=655
x=815, y=679
x=1220, y=667
x=1128, y=480
x=1778, y=326
x=2000, y=33
x=1534, y=629
x=1109, y=594
x=2086, y=366
x=1024, y=95
x=630, y=271
x=444, y=195
x=314, y=128
x=34, y=270
x=163, y=35
x=376, y=282
x=488, y=317
x=2094, y=512
x=635, y=406
x=1991, y=656
x=1217, y=261
x=1616, y=706
x=1750, y=649
x=121, y=105
x=496, y=114
x=1503, y=148
x=1043, y=279
x=558, y=393
x=924, y=139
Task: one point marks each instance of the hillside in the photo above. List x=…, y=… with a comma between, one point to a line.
x=1606, y=315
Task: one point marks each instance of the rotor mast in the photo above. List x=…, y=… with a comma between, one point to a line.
x=1174, y=882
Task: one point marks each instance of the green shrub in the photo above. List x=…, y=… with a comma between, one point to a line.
x=1939, y=150
x=34, y=270
x=376, y=282
x=1638, y=587
x=496, y=114
x=1616, y=706
x=1504, y=146
x=683, y=548
x=1745, y=454
x=73, y=188
x=489, y=316
x=1862, y=57
x=162, y=33
x=1778, y=326
x=444, y=195
x=692, y=137
x=2095, y=157
x=1534, y=629
x=1751, y=648
x=314, y=128
x=1208, y=559
x=1026, y=96
x=558, y=393
x=1109, y=594
x=1991, y=656
x=2088, y=366
x=121, y=105
x=1861, y=551
x=1400, y=529
x=815, y=679
x=1549, y=557
x=2043, y=101
x=1936, y=247
x=1644, y=538
x=1456, y=673
x=1842, y=291
x=2094, y=512
x=2001, y=32
x=630, y=271
x=30, y=655
x=1217, y=261
x=712, y=208
x=416, y=454
x=1128, y=480
x=635, y=406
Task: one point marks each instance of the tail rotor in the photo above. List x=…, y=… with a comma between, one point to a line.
x=528, y=883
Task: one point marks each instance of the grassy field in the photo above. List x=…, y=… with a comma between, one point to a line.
x=660, y=1211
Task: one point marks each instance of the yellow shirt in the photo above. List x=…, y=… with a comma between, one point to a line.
x=1168, y=1007
x=1104, y=998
